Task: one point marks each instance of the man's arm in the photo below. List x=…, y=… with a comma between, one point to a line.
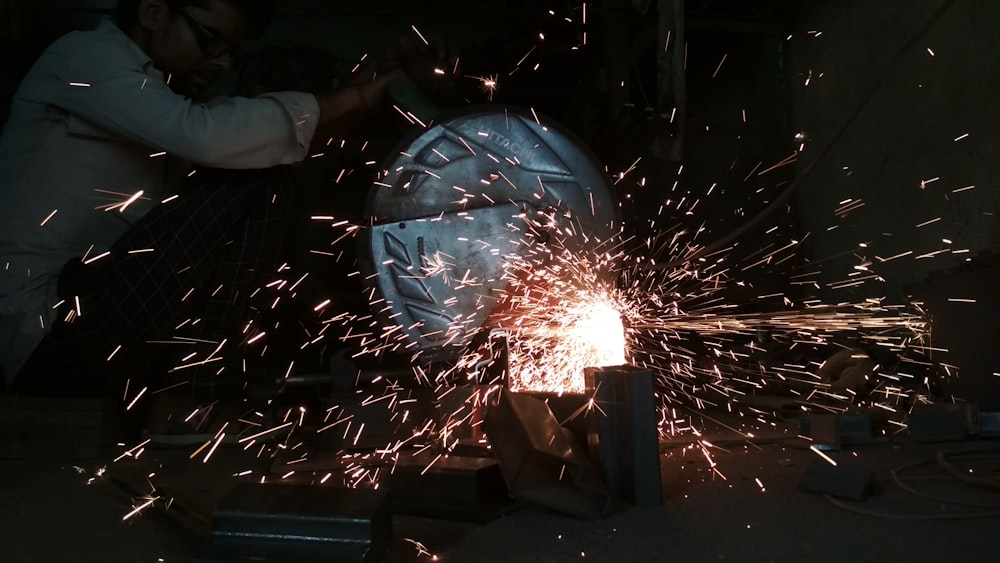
x=109, y=87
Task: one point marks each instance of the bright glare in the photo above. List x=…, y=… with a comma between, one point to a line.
x=600, y=334
x=551, y=347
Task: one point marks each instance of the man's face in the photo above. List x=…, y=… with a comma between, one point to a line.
x=196, y=44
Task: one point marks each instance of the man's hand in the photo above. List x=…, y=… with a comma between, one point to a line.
x=430, y=63
x=342, y=110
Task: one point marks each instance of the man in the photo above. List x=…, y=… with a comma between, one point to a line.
x=106, y=243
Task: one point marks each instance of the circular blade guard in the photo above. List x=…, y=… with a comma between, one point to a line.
x=450, y=214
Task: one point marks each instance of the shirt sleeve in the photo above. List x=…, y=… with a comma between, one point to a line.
x=114, y=89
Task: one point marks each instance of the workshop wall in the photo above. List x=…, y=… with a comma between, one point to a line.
x=911, y=121
x=906, y=94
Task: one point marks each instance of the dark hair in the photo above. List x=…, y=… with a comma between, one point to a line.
x=256, y=12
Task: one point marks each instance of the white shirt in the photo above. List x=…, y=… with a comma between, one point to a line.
x=86, y=129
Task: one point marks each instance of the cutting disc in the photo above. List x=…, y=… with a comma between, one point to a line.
x=449, y=214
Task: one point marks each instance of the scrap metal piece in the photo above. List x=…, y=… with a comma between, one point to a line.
x=852, y=483
x=301, y=523
x=942, y=422
x=450, y=487
x=989, y=424
x=541, y=462
x=832, y=431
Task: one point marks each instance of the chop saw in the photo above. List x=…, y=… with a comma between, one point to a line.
x=454, y=206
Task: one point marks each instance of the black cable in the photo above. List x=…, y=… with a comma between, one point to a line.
x=786, y=194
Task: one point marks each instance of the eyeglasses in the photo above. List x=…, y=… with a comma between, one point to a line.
x=213, y=42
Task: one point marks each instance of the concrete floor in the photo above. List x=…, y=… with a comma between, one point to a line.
x=52, y=514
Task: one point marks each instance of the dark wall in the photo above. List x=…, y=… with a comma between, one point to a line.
x=907, y=91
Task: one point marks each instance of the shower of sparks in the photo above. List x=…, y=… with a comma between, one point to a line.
x=570, y=301
x=574, y=302
x=551, y=345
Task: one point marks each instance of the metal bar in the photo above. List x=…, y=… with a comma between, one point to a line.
x=623, y=436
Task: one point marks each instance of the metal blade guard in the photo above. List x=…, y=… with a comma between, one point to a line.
x=457, y=203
